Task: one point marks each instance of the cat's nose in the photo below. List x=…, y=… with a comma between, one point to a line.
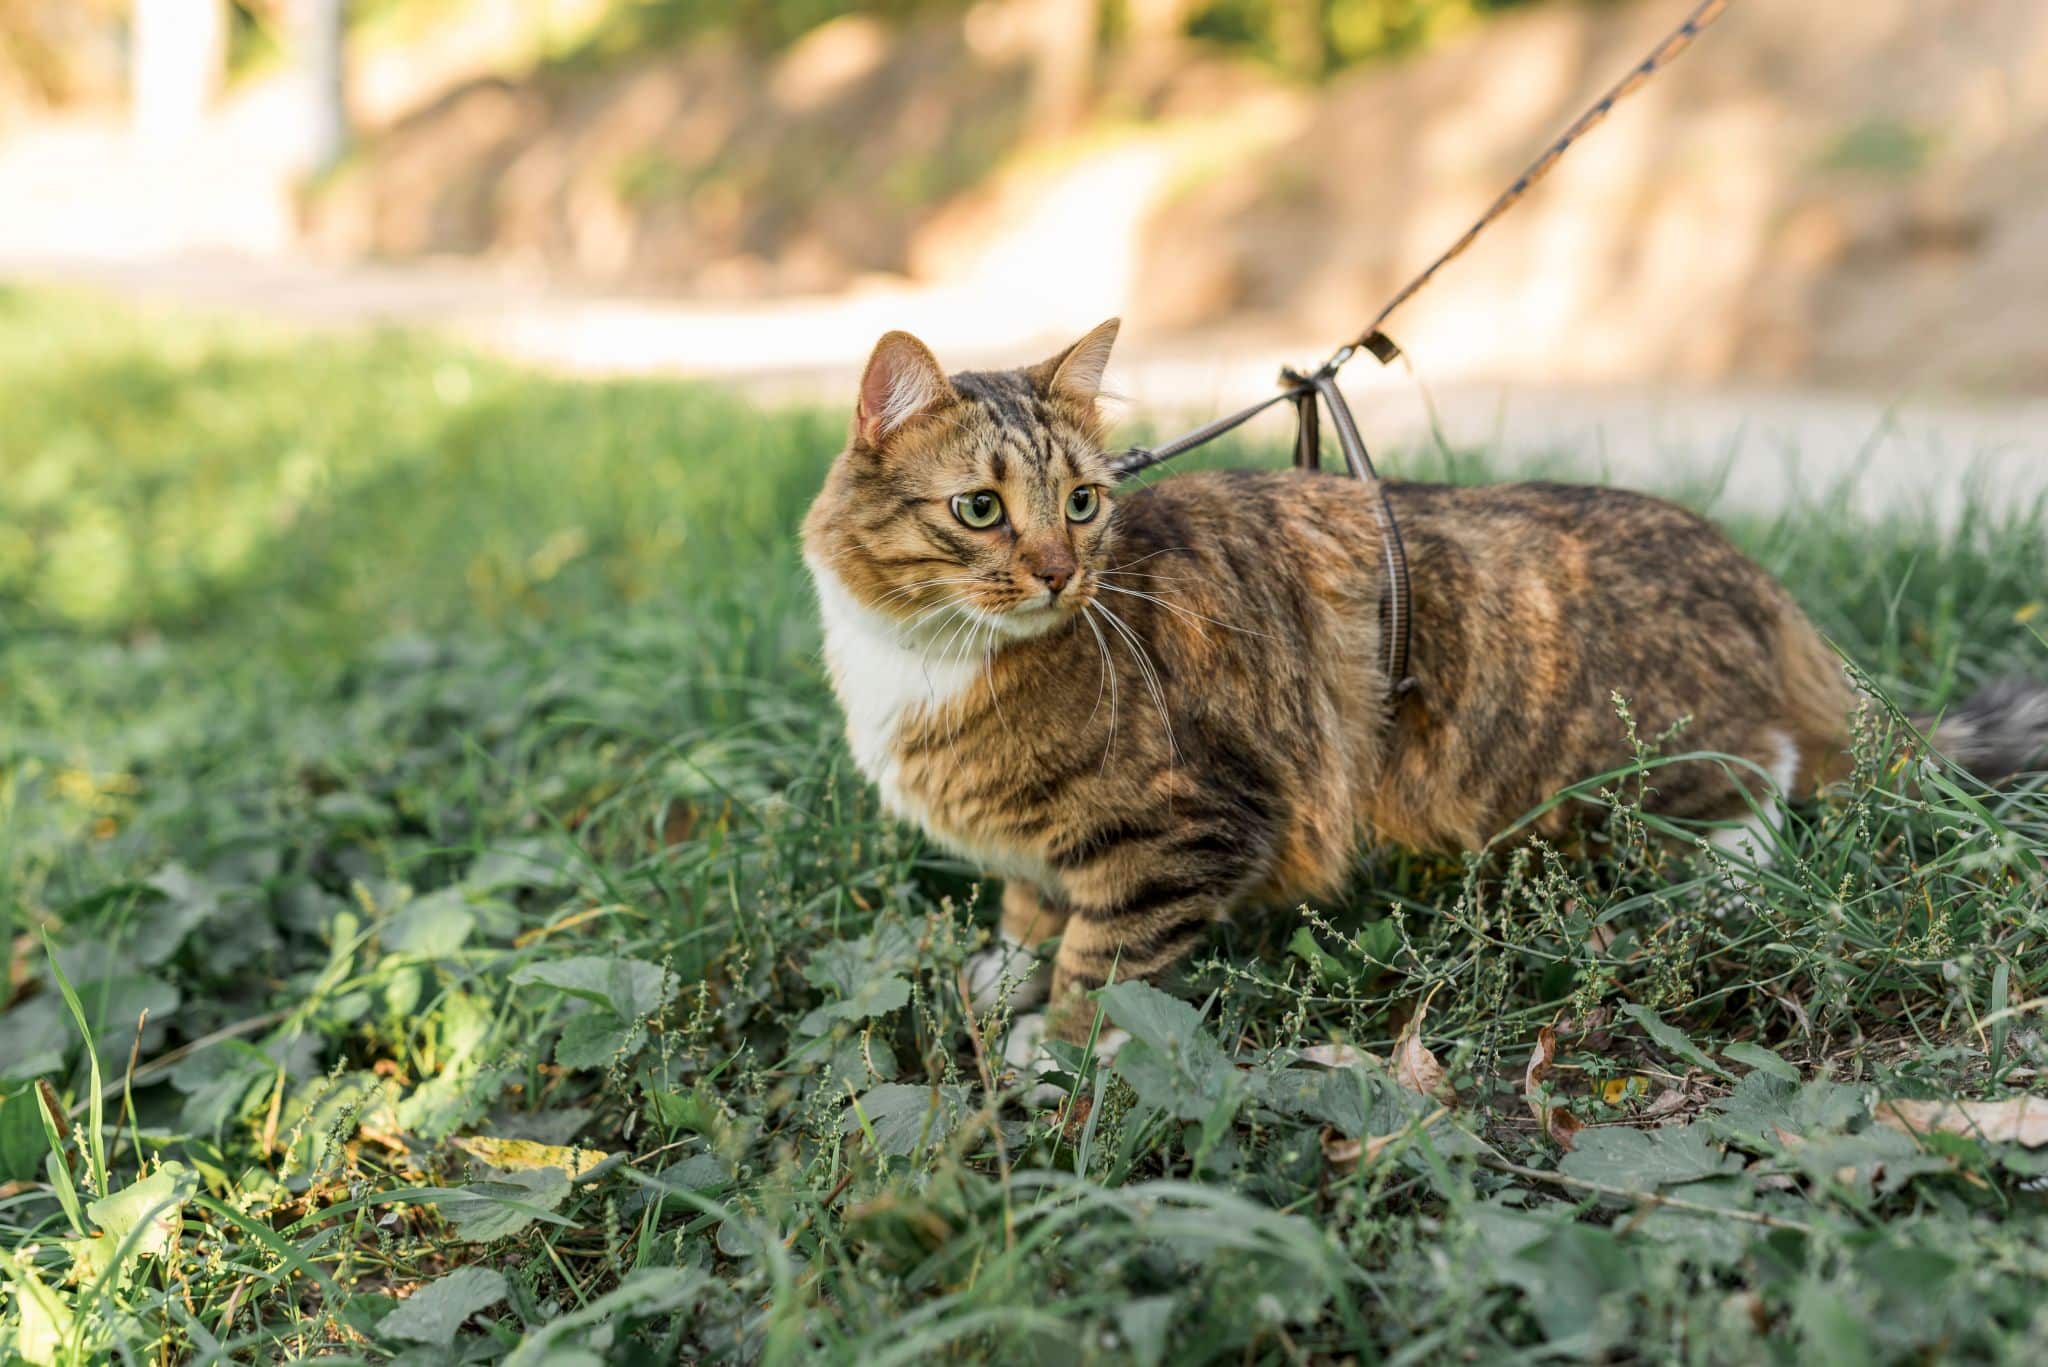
x=1055, y=577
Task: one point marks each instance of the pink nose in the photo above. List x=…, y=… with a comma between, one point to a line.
x=1056, y=577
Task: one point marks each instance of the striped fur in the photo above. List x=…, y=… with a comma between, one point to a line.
x=1198, y=720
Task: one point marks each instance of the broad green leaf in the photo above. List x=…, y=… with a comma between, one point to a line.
x=845, y=966
x=1326, y=967
x=1672, y=1039
x=1644, y=1160
x=42, y=1319
x=1831, y=1329
x=1762, y=1105
x=901, y=1115
x=22, y=1143
x=876, y=997
x=493, y=1208
x=518, y=864
x=1761, y=1059
x=222, y=1083
x=630, y=988
x=452, y=1101
x=433, y=926
x=437, y=1310
x=188, y=902
x=142, y=1220
x=1165, y=1022
x=33, y=1037
x=597, y=1039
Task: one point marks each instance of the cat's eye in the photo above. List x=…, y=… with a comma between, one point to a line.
x=1082, y=503
x=979, y=509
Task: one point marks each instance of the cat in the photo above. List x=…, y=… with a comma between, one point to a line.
x=1146, y=708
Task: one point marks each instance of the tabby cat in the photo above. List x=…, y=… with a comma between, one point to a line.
x=1146, y=708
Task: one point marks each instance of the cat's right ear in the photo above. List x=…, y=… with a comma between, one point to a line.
x=902, y=381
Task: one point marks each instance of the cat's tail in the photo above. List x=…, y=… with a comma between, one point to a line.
x=1997, y=732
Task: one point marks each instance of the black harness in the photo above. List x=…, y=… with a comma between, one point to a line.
x=1315, y=390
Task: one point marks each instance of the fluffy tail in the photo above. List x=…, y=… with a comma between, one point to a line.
x=1999, y=731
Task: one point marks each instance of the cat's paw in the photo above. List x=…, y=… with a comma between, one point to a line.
x=1006, y=966
x=1025, y=1053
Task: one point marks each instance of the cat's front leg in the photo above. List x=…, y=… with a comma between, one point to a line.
x=1140, y=936
x=1014, y=963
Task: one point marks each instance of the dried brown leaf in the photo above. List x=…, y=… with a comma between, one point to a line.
x=1670, y=1101
x=2021, y=1120
x=1557, y=1122
x=1415, y=1067
x=1540, y=1060
x=1341, y=1153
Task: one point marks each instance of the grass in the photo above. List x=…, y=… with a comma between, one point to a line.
x=439, y=754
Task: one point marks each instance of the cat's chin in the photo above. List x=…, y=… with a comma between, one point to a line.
x=1021, y=624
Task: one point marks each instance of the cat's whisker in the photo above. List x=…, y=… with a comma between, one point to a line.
x=1109, y=678
x=1186, y=612
x=1167, y=550
x=945, y=655
x=905, y=590
x=988, y=674
x=1150, y=674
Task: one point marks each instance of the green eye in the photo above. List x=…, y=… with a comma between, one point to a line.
x=1082, y=503
x=979, y=509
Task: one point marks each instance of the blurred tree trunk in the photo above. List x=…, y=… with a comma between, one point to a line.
x=1298, y=37
x=1064, y=67
x=1154, y=30
x=177, y=56
x=318, y=35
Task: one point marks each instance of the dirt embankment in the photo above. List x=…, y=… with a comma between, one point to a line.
x=1845, y=192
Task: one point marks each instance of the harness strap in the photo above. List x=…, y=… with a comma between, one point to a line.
x=1395, y=599
x=1308, y=432
x=1143, y=457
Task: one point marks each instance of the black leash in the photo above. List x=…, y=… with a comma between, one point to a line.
x=1318, y=389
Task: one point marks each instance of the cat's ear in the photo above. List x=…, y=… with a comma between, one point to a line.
x=1077, y=371
x=902, y=381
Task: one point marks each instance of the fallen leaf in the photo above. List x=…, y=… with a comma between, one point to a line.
x=1415, y=1067
x=1559, y=1124
x=1344, y=1154
x=526, y=1155
x=1540, y=1060
x=1669, y=1101
x=2022, y=1120
x=1341, y=1153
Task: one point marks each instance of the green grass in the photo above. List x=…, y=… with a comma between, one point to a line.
x=442, y=750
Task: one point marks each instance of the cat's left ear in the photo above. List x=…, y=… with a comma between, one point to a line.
x=1077, y=371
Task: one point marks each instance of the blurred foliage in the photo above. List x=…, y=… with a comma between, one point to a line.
x=1311, y=37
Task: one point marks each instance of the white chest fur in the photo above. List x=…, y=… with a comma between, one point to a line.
x=885, y=680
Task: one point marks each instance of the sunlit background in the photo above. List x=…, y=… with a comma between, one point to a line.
x=1825, y=227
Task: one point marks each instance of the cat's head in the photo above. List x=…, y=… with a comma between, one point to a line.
x=983, y=495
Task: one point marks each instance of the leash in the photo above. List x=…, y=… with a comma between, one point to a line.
x=1311, y=391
